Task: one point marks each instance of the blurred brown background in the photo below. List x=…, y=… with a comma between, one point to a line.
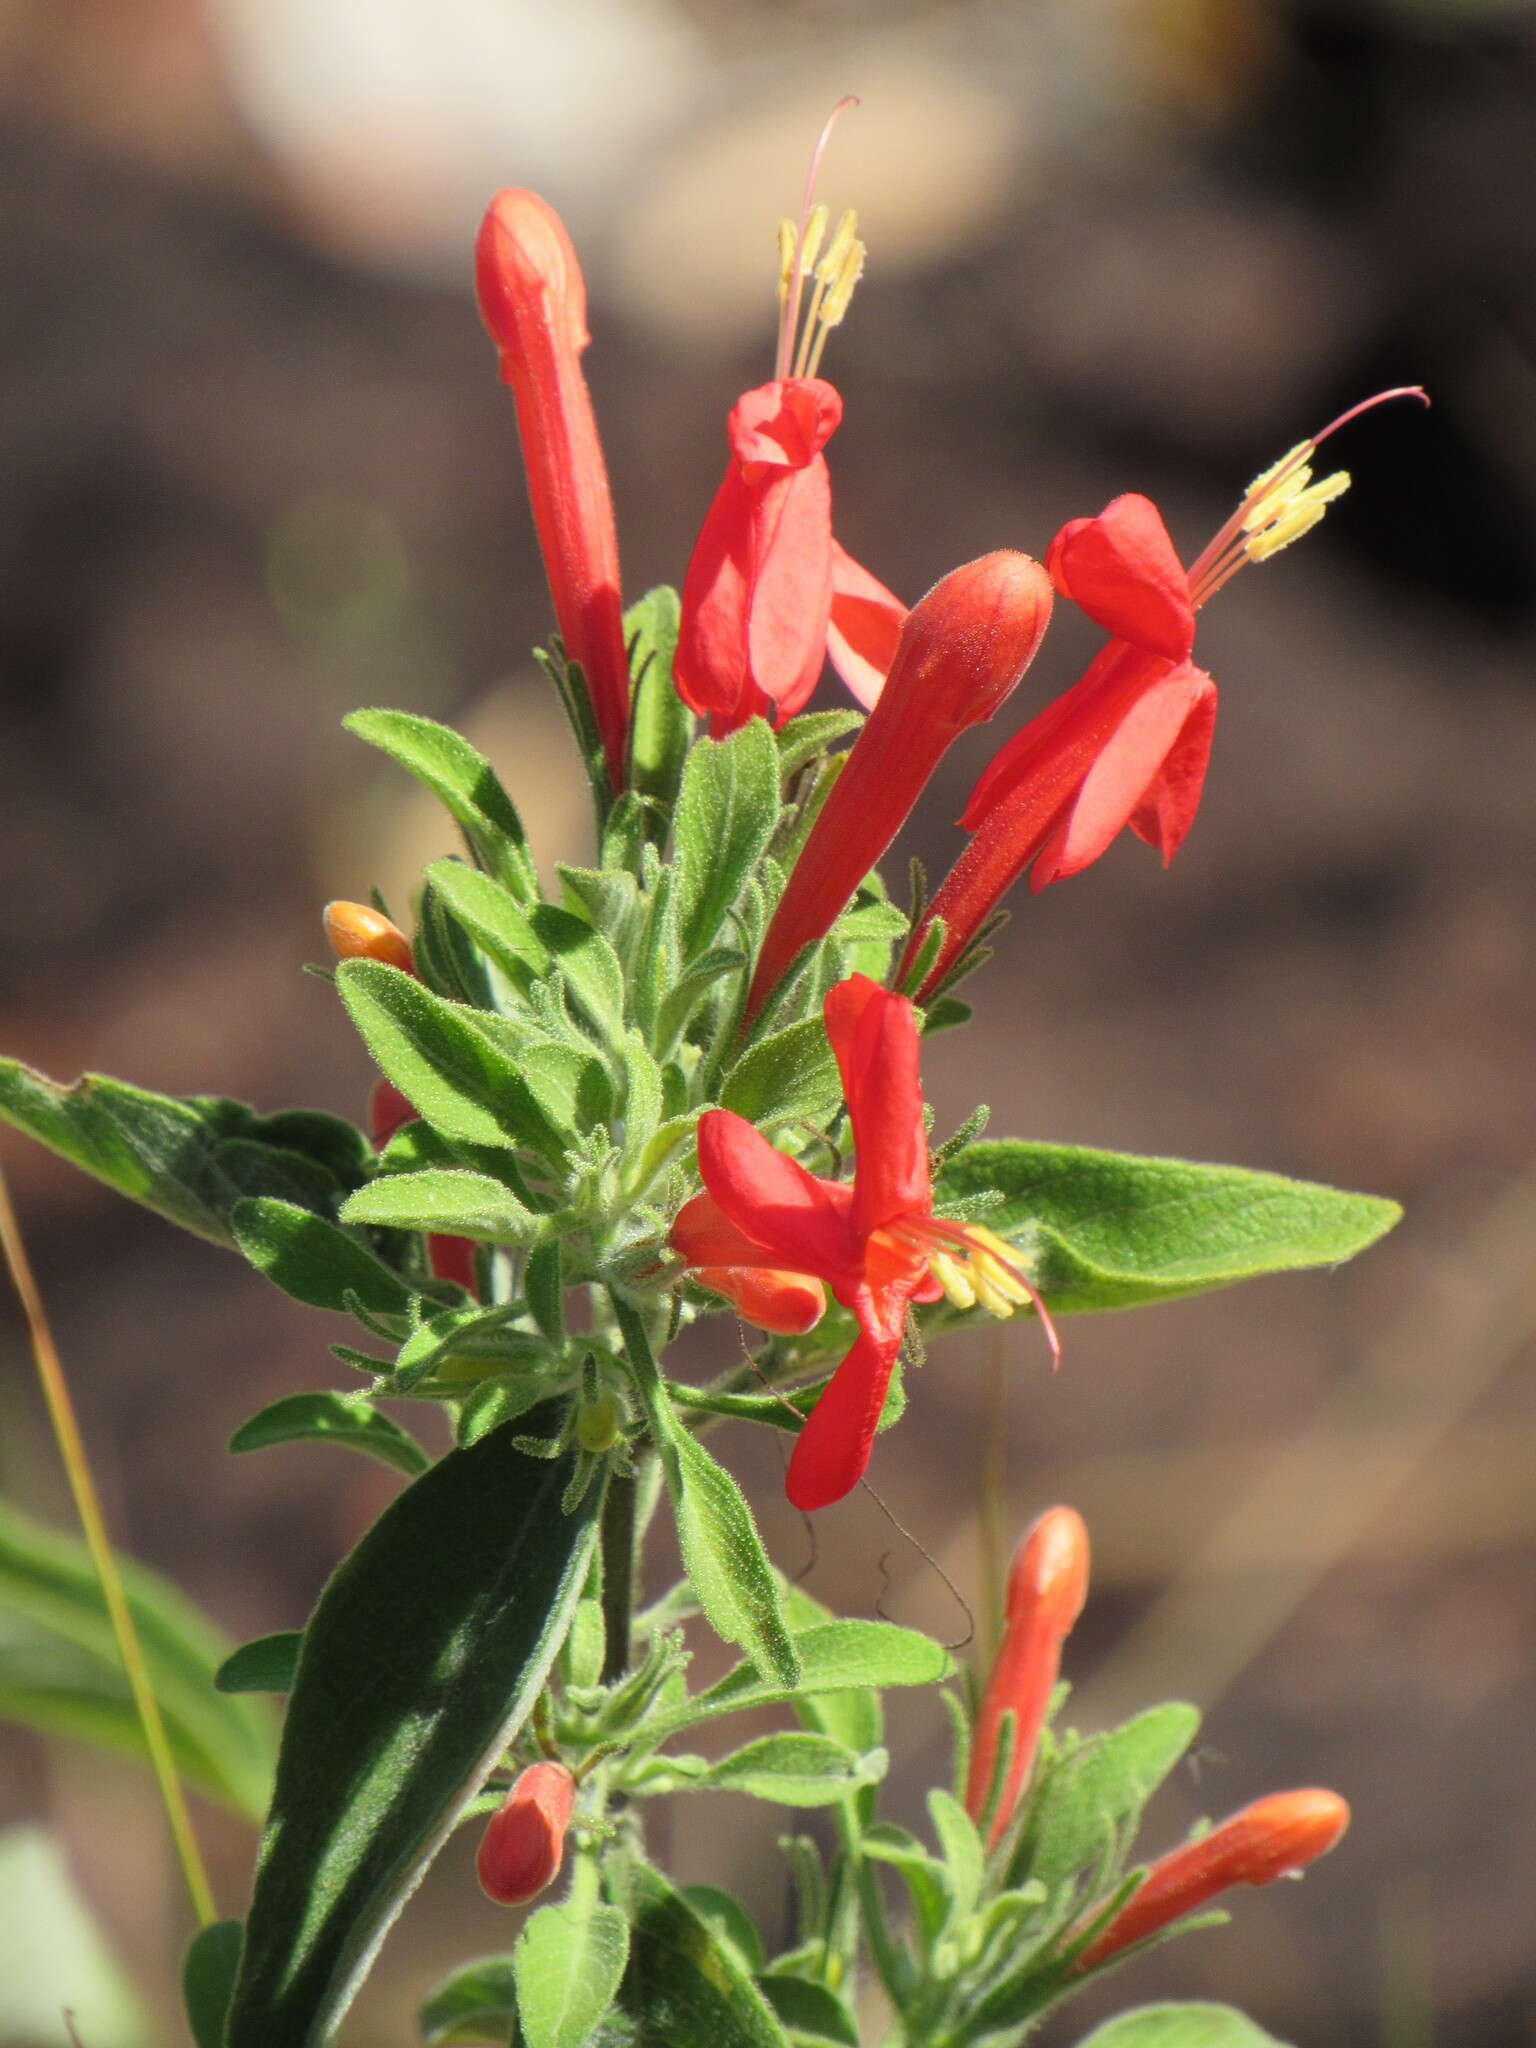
x=257, y=469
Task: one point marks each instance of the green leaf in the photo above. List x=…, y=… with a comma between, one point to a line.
x=1091, y=1798
x=929, y=1883
x=208, y=1978
x=833, y=1658
x=726, y=811
x=661, y=725
x=723, y=1553
x=960, y=1846
x=462, y=779
x=314, y=1261
x=264, y=1664
x=568, y=1964
x=810, y=2011
x=1108, y=1230
x=478, y=2002
x=528, y=945
x=189, y=1160
x=802, y=738
x=1180, y=2026
x=729, y=1921
x=59, y=1667
x=443, y=1063
x=419, y=1665
x=348, y=1419
x=786, y=1076
x=793, y=1770
x=62, y=1985
x=444, y=1199
x=683, y=1988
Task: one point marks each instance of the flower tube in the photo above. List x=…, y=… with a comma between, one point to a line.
x=1271, y=1838
x=534, y=302
x=524, y=1841
x=1046, y=1590
x=962, y=649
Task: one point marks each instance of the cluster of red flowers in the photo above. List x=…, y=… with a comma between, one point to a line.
x=769, y=596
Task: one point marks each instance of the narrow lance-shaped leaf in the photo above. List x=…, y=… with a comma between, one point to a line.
x=684, y=1988
x=722, y=1550
x=465, y=782
x=347, y=1419
x=419, y=1665
x=726, y=811
x=1181, y=2026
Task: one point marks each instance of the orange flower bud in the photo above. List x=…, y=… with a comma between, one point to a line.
x=1046, y=1590
x=524, y=1842
x=358, y=932
x=1276, y=1835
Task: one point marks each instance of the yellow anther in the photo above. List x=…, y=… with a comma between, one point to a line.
x=952, y=1277
x=988, y=1293
x=835, y=305
x=1264, y=483
x=786, y=259
x=815, y=229
x=999, y=1276
x=1290, y=521
x=844, y=235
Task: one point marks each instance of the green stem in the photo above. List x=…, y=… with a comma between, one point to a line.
x=66, y=1430
x=618, y=1542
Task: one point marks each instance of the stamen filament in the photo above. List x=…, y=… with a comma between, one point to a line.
x=789, y=317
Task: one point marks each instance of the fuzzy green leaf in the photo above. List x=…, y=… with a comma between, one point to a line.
x=1092, y=1796
x=190, y=1160
x=419, y=1665
x=726, y=811
x=477, y=2003
x=462, y=779
x=793, y=1770
x=568, y=1963
x=347, y=1419
x=444, y=1064
x=1180, y=2026
x=788, y=1075
x=810, y=2011
x=661, y=725
x=801, y=739
x=314, y=1261
x=1108, y=1230
x=444, y=1199
x=684, y=1988
x=834, y=1657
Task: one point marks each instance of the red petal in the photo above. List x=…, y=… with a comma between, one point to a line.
x=1124, y=770
x=864, y=627
x=1168, y=809
x=789, y=598
x=790, y=1303
x=783, y=425
x=453, y=1258
x=833, y=1449
x=1122, y=569
x=800, y=1220
x=874, y=1036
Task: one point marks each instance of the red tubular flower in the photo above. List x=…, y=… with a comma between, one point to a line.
x=1266, y=1840
x=534, y=302
x=1129, y=743
x=524, y=1842
x=767, y=584
x=962, y=649
x=769, y=593
x=876, y=1244
x=1046, y=1590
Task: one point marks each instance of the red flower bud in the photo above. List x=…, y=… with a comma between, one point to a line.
x=1276, y=1835
x=962, y=649
x=1046, y=1590
x=524, y=1842
x=534, y=302
x=358, y=932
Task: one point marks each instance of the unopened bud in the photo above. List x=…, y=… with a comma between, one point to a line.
x=524, y=1842
x=1046, y=1590
x=358, y=932
x=1271, y=1838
